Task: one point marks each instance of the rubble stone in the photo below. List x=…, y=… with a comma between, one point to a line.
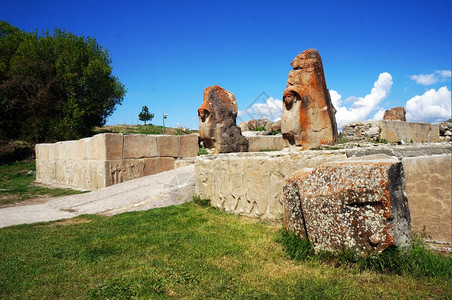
x=395, y=114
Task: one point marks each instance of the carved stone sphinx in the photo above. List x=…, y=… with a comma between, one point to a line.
x=308, y=119
x=217, y=122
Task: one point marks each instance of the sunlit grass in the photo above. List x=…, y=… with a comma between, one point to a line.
x=187, y=251
x=17, y=184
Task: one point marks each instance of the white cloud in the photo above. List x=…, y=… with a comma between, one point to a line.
x=272, y=109
x=428, y=79
x=362, y=107
x=432, y=106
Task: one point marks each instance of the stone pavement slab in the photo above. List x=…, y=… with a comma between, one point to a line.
x=159, y=190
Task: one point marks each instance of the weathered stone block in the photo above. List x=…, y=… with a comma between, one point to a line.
x=127, y=169
x=53, y=151
x=428, y=186
x=114, y=144
x=140, y=146
x=394, y=131
x=259, y=143
x=188, y=145
x=95, y=147
x=353, y=205
x=395, y=114
x=42, y=151
x=168, y=145
x=95, y=174
x=251, y=183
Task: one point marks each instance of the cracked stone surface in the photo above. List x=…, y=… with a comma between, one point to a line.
x=358, y=205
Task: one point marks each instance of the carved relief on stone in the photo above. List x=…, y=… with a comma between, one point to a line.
x=308, y=119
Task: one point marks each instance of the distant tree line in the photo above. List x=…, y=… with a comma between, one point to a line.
x=54, y=86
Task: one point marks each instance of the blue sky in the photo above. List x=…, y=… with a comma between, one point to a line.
x=376, y=54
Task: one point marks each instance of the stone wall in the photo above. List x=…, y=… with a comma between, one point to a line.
x=392, y=131
x=428, y=187
x=107, y=159
x=251, y=183
x=264, y=142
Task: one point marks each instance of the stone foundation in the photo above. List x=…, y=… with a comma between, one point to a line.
x=107, y=159
x=251, y=184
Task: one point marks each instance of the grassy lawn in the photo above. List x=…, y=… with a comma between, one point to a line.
x=17, y=184
x=188, y=252
x=143, y=129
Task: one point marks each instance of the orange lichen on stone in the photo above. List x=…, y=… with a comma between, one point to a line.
x=357, y=205
x=217, y=121
x=308, y=115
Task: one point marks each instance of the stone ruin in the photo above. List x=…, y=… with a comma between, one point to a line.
x=328, y=197
x=217, y=122
x=308, y=119
x=395, y=114
x=360, y=206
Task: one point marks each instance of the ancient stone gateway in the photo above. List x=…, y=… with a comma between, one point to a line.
x=308, y=117
x=217, y=122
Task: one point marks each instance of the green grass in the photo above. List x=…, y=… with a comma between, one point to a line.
x=417, y=262
x=202, y=151
x=186, y=251
x=141, y=129
x=17, y=184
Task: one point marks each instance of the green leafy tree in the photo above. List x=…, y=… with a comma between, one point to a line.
x=54, y=86
x=145, y=115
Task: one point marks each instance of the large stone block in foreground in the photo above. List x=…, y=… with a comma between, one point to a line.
x=358, y=205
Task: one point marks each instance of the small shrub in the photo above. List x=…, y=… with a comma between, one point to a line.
x=259, y=128
x=202, y=151
x=295, y=246
x=200, y=201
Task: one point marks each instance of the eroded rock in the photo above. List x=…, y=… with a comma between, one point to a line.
x=395, y=114
x=358, y=205
x=217, y=122
x=308, y=117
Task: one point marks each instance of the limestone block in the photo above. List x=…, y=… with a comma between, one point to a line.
x=95, y=148
x=259, y=143
x=127, y=169
x=168, y=145
x=358, y=205
x=140, y=146
x=42, y=151
x=45, y=170
x=204, y=177
x=188, y=145
x=71, y=150
x=251, y=184
x=428, y=186
x=94, y=174
x=53, y=151
x=394, y=131
x=105, y=146
x=114, y=144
